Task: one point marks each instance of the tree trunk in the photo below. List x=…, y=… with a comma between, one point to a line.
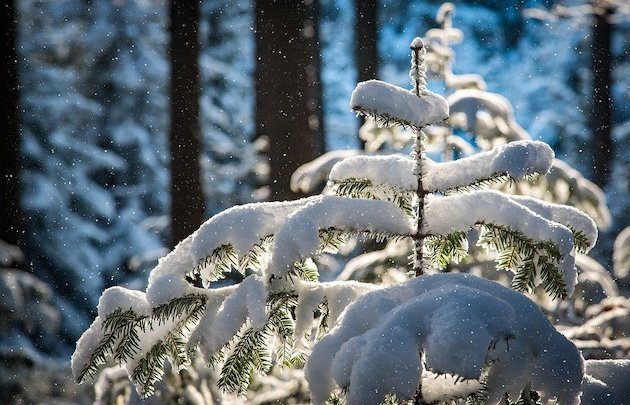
x=366, y=47
x=11, y=230
x=288, y=93
x=601, y=115
x=187, y=203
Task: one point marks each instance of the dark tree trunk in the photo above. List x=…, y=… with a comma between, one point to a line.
x=601, y=114
x=288, y=92
x=366, y=51
x=187, y=206
x=11, y=228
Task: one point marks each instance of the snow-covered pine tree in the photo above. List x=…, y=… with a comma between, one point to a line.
x=280, y=308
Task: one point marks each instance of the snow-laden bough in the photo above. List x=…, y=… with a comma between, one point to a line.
x=489, y=339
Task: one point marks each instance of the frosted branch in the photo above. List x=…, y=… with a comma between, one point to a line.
x=299, y=238
x=516, y=161
x=389, y=104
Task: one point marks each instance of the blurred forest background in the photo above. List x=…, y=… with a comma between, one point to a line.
x=126, y=123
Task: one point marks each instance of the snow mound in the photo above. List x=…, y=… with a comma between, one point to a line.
x=463, y=326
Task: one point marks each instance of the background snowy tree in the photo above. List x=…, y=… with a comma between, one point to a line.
x=231, y=168
x=93, y=119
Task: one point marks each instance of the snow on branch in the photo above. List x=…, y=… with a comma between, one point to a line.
x=514, y=161
x=492, y=339
x=235, y=238
x=389, y=104
x=129, y=331
x=583, y=227
x=393, y=171
x=300, y=235
x=526, y=242
x=231, y=325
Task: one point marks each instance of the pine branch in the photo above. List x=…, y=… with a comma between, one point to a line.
x=224, y=258
x=172, y=347
x=331, y=239
x=253, y=259
x=525, y=256
x=178, y=307
x=323, y=326
x=364, y=188
x=475, y=399
x=552, y=280
x=580, y=240
x=219, y=262
x=384, y=120
x=525, y=278
x=493, y=180
x=307, y=270
x=444, y=249
x=251, y=351
x=117, y=326
x=129, y=344
x=150, y=369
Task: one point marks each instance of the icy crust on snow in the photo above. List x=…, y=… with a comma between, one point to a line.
x=563, y=214
x=462, y=324
x=387, y=101
x=445, y=215
x=517, y=159
x=298, y=238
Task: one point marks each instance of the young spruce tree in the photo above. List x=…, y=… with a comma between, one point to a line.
x=433, y=338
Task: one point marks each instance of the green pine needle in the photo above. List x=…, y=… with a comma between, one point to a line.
x=444, y=249
x=364, y=188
